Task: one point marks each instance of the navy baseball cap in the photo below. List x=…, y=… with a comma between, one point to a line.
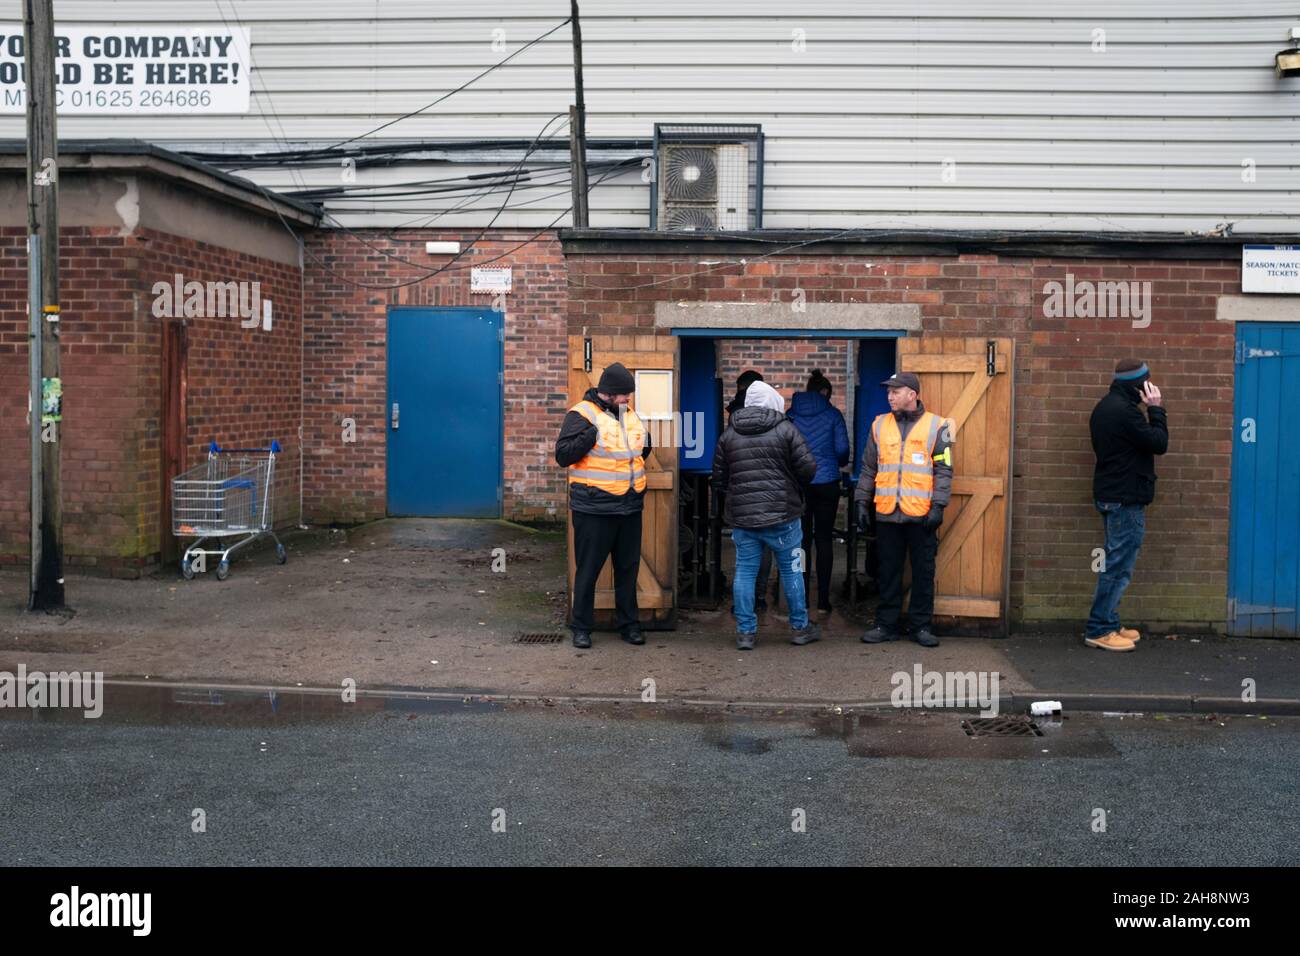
x=903, y=380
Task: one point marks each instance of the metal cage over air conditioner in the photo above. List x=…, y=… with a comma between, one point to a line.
x=707, y=177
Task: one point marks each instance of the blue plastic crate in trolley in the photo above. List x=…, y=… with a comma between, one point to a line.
x=228, y=496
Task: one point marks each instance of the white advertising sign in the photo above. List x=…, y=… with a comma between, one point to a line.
x=1270, y=269
x=135, y=69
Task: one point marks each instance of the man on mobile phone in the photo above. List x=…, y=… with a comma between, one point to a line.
x=1126, y=442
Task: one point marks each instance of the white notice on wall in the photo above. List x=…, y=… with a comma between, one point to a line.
x=135, y=69
x=490, y=280
x=1270, y=269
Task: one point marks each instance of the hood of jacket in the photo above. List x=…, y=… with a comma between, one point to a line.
x=808, y=404
x=1129, y=390
x=755, y=420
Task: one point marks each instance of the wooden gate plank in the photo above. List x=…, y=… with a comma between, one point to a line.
x=970, y=567
x=972, y=513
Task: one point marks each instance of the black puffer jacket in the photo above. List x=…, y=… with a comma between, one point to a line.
x=1126, y=444
x=761, y=465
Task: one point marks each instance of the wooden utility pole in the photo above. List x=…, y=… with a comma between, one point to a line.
x=578, y=125
x=43, y=253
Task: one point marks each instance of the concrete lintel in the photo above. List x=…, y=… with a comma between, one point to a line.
x=813, y=317
x=1258, y=308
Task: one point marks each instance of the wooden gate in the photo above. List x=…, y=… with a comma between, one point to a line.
x=657, y=579
x=969, y=382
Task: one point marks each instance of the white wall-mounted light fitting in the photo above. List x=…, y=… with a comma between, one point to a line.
x=441, y=248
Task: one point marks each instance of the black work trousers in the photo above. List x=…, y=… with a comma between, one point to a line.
x=823, y=502
x=894, y=542
x=595, y=538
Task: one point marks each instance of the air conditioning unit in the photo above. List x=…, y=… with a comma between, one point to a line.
x=703, y=188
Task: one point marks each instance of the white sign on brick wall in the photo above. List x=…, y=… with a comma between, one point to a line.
x=1270, y=269
x=490, y=280
x=135, y=69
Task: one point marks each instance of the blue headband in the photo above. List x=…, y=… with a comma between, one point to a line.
x=1130, y=375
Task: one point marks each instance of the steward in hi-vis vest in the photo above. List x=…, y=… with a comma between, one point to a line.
x=604, y=445
x=906, y=482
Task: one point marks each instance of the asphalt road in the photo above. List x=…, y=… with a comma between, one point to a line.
x=395, y=782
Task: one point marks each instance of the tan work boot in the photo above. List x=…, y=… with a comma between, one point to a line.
x=1130, y=633
x=1114, y=641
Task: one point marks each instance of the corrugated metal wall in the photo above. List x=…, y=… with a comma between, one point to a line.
x=860, y=119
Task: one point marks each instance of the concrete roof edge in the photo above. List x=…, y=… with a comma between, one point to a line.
x=142, y=156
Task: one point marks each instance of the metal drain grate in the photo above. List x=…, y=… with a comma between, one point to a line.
x=538, y=637
x=1000, y=727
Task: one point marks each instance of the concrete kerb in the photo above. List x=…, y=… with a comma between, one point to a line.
x=1012, y=704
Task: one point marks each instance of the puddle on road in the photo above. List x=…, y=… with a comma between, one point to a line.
x=725, y=738
x=934, y=735
x=878, y=734
x=178, y=705
x=746, y=733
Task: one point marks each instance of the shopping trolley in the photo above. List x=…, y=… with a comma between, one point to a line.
x=228, y=496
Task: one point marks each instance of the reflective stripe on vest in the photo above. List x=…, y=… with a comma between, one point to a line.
x=907, y=464
x=614, y=464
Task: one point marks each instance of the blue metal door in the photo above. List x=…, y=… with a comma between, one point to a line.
x=1263, y=565
x=444, y=412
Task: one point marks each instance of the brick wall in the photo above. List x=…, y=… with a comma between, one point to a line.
x=1063, y=366
x=105, y=433
x=786, y=364
x=345, y=371
x=243, y=386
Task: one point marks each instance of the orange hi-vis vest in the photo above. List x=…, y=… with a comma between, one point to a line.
x=615, y=463
x=904, y=469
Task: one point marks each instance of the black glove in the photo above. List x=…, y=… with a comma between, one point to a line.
x=935, y=516
x=860, y=516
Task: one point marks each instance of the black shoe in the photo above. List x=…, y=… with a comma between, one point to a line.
x=582, y=638
x=878, y=635
x=633, y=635
x=925, y=638
x=744, y=642
x=807, y=635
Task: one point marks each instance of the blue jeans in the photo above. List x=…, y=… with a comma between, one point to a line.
x=1125, y=527
x=784, y=540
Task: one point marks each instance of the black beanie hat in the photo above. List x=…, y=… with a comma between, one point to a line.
x=616, y=380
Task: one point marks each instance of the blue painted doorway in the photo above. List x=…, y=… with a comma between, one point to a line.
x=1263, y=550
x=444, y=412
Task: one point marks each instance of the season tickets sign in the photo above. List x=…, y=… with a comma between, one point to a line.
x=141, y=69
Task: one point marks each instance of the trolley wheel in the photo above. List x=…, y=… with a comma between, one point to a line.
x=223, y=570
x=280, y=555
x=187, y=569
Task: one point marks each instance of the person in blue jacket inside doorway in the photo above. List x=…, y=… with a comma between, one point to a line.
x=823, y=429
